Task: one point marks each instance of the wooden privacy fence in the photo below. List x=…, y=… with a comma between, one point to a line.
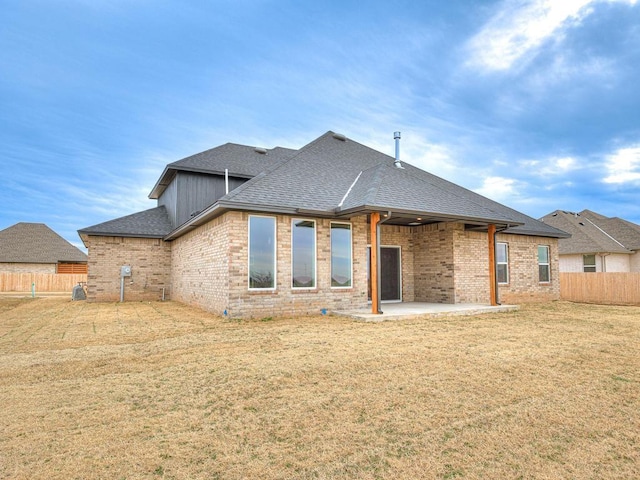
x=44, y=282
x=603, y=288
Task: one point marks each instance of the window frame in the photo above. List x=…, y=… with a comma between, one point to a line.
x=544, y=264
x=585, y=266
x=505, y=263
x=350, y=255
x=275, y=254
x=315, y=253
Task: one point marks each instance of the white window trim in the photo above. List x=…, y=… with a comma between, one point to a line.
x=315, y=253
x=275, y=255
x=584, y=265
x=331, y=253
x=506, y=262
x=548, y=264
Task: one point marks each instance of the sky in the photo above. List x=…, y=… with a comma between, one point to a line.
x=535, y=104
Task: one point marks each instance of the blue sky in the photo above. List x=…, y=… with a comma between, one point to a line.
x=535, y=103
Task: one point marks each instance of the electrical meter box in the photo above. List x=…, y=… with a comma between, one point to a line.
x=125, y=271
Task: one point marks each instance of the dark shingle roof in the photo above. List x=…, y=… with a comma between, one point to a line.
x=241, y=160
x=152, y=223
x=319, y=176
x=592, y=233
x=36, y=243
x=320, y=179
x=625, y=232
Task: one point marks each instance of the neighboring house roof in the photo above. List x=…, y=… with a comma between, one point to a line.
x=332, y=176
x=152, y=223
x=36, y=243
x=625, y=232
x=240, y=161
x=594, y=233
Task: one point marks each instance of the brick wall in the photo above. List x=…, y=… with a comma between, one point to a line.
x=210, y=270
x=28, y=267
x=200, y=264
x=471, y=260
x=150, y=261
x=523, y=270
x=284, y=300
x=434, y=263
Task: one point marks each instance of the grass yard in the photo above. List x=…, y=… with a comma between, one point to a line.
x=161, y=390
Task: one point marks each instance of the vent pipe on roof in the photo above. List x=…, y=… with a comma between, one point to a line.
x=396, y=136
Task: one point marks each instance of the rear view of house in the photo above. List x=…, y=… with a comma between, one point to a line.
x=248, y=231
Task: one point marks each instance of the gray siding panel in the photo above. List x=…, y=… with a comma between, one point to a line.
x=169, y=200
x=196, y=191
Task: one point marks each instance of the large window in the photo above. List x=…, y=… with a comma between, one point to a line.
x=589, y=263
x=544, y=272
x=303, y=253
x=502, y=263
x=262, y=252
x=341, y=255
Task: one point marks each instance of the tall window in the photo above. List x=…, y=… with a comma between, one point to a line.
x=544, y=272
x=589, y=263
x=303, y=253
x=502, y=263
x=341, y=265
x=262, y=252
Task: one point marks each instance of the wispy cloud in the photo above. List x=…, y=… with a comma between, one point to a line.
x=500, y=189
x=550, y=167
x=520, y=29
x=623, y=166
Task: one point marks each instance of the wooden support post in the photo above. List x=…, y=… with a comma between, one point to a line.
x=493, y=290
x=375, y=301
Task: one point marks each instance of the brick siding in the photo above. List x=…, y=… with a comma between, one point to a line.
x=28, y=267
x=150, y=261
x=208, y=268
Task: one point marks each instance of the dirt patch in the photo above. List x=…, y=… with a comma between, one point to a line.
x=160, y=390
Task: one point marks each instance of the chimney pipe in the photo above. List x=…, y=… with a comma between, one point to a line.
x=396, y=136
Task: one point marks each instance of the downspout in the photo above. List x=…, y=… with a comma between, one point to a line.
x=226, y=181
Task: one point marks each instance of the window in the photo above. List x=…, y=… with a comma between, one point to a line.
x=303, y=253
x=262, y=252
x=341, y=255
x=544, y=273
x=502, y=263
x=589, y=263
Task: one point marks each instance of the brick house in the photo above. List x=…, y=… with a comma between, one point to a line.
x=334, y=225
x=597, y=243
x=34, y=248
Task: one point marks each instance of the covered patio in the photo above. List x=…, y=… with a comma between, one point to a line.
x=408, y=310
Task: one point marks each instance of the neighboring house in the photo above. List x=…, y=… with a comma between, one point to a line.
x=35, y=248
x=248, y=231
x=597, y=243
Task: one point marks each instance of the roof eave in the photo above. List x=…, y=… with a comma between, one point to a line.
x=365, y=209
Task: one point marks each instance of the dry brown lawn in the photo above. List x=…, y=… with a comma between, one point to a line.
x=161, y=390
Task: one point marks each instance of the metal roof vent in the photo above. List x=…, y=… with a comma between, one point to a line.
x=260, y=150
x=397, y=164
x=339, y=136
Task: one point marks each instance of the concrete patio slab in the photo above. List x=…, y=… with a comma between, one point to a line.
x=407, y=310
